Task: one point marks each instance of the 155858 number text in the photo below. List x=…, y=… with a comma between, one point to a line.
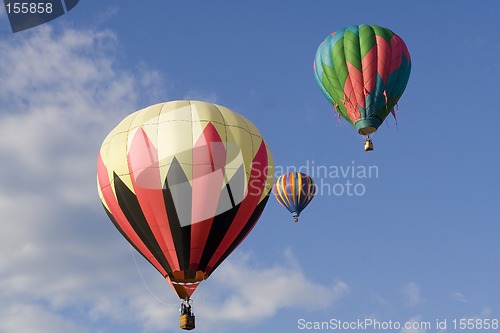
x=475, y=324
x=29, y=8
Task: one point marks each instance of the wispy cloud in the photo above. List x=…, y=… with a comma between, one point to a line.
x=241, y=291
x=255, y=294
x=458, y=296
x=34, y=318
x=411, y=292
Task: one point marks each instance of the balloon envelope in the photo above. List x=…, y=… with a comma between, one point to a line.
x=363, y=71
x=294, y=191
x=184, y=182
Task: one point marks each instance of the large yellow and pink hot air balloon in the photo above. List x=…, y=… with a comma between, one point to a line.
x=184, y=182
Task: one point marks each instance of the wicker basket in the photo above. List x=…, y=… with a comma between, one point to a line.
x=187, y=322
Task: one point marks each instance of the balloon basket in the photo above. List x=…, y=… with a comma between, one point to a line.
x=187, y=322
x=368, y=145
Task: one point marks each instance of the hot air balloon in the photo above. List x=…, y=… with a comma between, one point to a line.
x=184, y=182
x=363, y=71
x=294, y=191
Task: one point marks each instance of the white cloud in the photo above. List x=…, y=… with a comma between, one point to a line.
x=61, y=93
x=19, y=317
x=458, y=296
x=255, y=294
x=381, y=301
x=241, y=291
x=63, y=267
x=411, y=292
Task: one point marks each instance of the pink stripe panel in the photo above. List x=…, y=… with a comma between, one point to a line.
x=209, y=160
x=357, y=84
x=350, y=101
x=396, y=54
x=383, y=56
x=145, y=173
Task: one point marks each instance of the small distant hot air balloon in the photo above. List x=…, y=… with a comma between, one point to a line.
x=184, y=182
x=363, y=71
x=294, y=191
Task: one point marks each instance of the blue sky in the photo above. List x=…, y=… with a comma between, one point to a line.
x=419, y=244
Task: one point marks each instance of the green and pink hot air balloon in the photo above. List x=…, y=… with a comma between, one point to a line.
x=363, y=71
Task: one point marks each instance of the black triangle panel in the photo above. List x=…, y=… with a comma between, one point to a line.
x=181, y=235
x=133, y=212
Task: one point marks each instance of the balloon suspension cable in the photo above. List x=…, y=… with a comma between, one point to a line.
x=144, y=281
x=368, y=143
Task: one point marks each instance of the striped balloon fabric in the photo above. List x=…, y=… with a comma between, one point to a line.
x=363, y=71
x=294, y=191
